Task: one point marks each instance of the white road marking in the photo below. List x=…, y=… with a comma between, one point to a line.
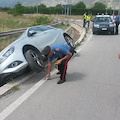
x=6, y=112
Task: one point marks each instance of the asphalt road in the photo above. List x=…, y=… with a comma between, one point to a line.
x=91, y=92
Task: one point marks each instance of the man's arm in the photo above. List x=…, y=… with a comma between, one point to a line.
x=49, y=69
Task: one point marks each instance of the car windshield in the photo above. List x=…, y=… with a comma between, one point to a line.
x=103, y=19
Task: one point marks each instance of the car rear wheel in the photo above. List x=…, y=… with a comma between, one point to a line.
x=70, y=41
x=34, y=59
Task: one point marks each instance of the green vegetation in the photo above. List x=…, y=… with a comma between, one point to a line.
x=15, y=88
x=10, y=22
x=78, y=44
x=42, y=20
x=62, y=26
x=14, y=23
x=76, y=9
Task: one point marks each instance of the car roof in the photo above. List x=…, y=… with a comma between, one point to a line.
x=102, y=15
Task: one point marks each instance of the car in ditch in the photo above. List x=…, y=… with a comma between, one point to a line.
x=26, y=50
x=103, y=24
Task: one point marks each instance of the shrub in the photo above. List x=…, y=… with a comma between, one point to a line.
x=42, y=20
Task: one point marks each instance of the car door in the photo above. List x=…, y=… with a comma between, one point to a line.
x=47, y=37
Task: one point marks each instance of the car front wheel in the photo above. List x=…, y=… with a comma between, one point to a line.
x=34, y=60
x=70, y=41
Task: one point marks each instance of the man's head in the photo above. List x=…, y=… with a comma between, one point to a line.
x=47, y=51
x=116, y=13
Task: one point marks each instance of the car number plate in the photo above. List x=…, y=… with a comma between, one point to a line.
x=104, y=28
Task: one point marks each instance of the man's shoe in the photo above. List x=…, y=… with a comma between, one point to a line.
x=61, y=81
x=58, y=73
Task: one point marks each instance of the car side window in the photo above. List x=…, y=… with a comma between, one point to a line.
x=35, y=30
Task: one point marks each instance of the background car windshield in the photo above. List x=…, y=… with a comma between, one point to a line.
x=103, y=19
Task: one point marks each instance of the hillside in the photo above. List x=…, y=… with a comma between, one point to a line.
x=89, y=3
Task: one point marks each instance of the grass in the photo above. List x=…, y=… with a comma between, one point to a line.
x=4, y=43
x=15, y=88
x=62, y=26
x=78, y=44
x=10, y=22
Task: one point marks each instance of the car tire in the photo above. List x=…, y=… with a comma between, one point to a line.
x=34, y=59
x=112, y=32
x=69, y=41
x=93, y=32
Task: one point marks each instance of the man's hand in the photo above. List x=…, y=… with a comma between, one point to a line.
x=48, y=75
x=59, y=62
x=49, y=69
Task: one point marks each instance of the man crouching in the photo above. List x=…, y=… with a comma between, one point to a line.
x=63, y=53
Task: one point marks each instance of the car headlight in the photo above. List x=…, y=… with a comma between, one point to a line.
x=96, y=25
x=7, y=53
x=112, y=25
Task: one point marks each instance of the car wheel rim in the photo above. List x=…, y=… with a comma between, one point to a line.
x=69, y=41
x=36, y=58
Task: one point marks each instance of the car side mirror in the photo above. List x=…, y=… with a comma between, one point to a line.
x=32, y=32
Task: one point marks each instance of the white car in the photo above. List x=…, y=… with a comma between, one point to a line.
x=26, y=51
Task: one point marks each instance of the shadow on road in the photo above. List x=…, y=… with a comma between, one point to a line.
x=75, y=76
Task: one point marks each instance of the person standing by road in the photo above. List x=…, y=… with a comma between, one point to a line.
x=117, y=20
x=84, y=19
x=88, y=19
x=113, y=17
x=61, y=51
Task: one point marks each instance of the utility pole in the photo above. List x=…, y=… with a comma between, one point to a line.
x=68, y=11
x=113, y=7
x=106, y=7
x=37, y=9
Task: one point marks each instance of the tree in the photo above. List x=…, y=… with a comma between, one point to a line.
x=58, y=9
x=18, y=9
x=80, y=5
x=99, y=6
x=42, y=8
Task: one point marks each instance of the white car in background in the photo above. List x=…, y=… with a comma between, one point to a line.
x=26, y=51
